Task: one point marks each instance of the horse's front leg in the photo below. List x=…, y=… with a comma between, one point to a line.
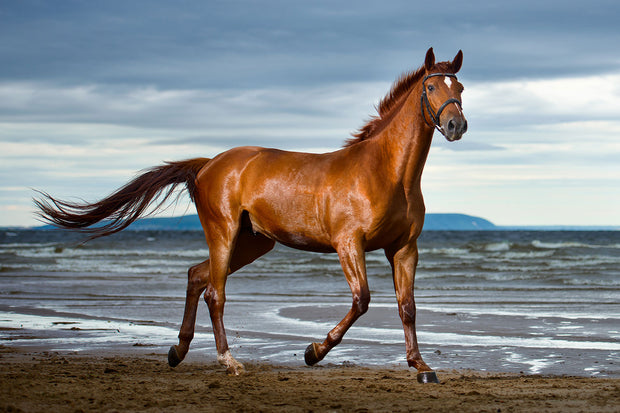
x=404, y=261
x=353, y=264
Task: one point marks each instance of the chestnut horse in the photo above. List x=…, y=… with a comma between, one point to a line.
x=360, y=198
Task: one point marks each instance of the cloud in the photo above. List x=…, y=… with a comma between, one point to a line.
x=252, y=44
x=327, y=112
x=90, y=92
x=544, y=101
x=228, y=116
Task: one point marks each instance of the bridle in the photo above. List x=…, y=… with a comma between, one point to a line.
x=425, y=103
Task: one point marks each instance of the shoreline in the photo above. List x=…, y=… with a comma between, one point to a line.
x=496, y=349
x=49, y=381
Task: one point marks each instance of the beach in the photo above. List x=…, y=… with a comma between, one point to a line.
x=44, y=381
x=531, y=302
x=512, y=321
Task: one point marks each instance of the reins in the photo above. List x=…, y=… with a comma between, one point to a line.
x=425, y=103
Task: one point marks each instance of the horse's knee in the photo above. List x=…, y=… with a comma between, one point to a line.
x=407, y=312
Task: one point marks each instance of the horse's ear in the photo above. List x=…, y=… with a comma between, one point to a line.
x=429, y=61
x=457, y=62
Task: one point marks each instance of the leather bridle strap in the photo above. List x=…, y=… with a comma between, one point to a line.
x=424, y=103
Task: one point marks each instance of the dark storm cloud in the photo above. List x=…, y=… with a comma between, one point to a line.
x=216, y=65
x=198, y=44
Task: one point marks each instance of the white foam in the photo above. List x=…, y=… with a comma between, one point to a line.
x=395, y=336
x=104, y=331
x=537, y=365
x=569, y=244
x=518, y=312
x=498, y=246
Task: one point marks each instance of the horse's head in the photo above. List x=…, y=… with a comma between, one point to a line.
x=441, y=96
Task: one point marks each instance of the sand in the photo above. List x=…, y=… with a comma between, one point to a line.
x=43, y=381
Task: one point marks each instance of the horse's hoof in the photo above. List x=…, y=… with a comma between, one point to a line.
x=233, y=367
x=235, y=370
x=310, y=355
x=173, y=357
x=427, y=377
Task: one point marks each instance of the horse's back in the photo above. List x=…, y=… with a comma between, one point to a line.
x=303, y=200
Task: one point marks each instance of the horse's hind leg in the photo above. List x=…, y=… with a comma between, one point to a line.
x=248, y=247
x=197, y=278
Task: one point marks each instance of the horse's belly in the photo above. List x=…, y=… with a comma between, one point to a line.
x=288, y=231
x=301, y=242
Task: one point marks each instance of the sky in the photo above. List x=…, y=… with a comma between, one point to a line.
x=93, y=92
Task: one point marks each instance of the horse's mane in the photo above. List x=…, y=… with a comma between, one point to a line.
x=391, y=103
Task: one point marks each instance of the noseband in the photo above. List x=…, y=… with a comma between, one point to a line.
x=425, y=103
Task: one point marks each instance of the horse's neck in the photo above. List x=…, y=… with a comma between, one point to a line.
x=407, y=141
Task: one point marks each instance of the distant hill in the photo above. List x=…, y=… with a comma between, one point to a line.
x=183, y=223
x=433, y=222
x=456, y=222
x=444, y=222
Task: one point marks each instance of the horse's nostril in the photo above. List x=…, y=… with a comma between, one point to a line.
x=451, y=125
x=465, y=127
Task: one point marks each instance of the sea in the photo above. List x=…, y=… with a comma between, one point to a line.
x=529, y=302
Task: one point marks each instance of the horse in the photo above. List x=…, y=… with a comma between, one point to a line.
x=363, y=197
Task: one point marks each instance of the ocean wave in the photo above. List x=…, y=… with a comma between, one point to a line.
x=25, y=245
x=612, y=282
x=570, y=244
x=450, y=251
x=594, y=262
x=498, y=246
x=482, y=260
x=97, y=267
x=528, y=254
x=57, y=251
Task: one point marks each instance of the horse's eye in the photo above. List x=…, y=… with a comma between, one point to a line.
x=431, y=88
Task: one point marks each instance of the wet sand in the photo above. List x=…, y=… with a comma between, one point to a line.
x=33, y=381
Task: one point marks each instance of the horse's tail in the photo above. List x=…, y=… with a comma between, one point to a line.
x=125, y=205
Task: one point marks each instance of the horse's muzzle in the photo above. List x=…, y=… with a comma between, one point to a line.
x=454, y=128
